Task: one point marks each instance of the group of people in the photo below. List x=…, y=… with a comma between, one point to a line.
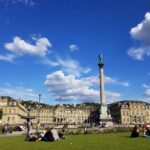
x=49, y=135
x=136, y=131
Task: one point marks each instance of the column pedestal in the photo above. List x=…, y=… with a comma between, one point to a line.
x=105, y=118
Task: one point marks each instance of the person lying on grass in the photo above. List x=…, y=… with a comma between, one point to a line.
x=49, y=135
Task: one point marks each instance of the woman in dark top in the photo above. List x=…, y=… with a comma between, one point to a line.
x=135, y=132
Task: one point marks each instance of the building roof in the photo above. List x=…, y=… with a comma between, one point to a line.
x=7, y=97
x=129, y=101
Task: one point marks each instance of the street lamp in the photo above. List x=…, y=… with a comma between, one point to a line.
x=28, y=123
x=29, y=109
x=39, y=109
x=39, y=98
x=38, y=123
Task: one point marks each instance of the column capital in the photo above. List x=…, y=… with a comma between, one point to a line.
x=101, y=65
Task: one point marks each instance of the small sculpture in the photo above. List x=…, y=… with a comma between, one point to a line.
x=100, y=57
x=100, y=111
x=108, y=111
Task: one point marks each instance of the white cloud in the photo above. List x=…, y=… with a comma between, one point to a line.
x=137, y=53
x=141, y=32
x=50, y=63
x=109, y=80
x=145, y=85
x=25, y=2
x=147, y=92
x=125, y=84
x=19, y=92
x=112, y=95
x=73, y=47
x=71, y=66
x=21, y=47
x=7, y=57
x=68, y=88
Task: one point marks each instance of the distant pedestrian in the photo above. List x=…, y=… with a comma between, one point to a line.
x=5, y=128
x=85, y=130
x=144, y=128
x=64, y=128
x=38, y=127
x=28, y=125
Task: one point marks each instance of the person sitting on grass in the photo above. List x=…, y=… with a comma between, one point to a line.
x=135, y=132
x=49, y=135
x=33, y=138
x=147, y=134
x=61, y=135
x=144, y=129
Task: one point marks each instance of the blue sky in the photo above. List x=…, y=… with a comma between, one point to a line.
x=51, y=47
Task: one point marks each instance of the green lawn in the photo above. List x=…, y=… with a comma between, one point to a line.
x=112, y=141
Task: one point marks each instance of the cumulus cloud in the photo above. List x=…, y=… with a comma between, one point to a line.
x=147, y=92
x=73, y=47
x=71, y=66
x=109, y=80
x=68, y=88
x=50, y=63
x=18, y=92
x=112, y=95
x=7, y=57
x=138, y=53
x=21, y=47
x=145, y=85
x=141, y=32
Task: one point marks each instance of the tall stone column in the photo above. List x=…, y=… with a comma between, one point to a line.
x=105, y=118
x=102, y=91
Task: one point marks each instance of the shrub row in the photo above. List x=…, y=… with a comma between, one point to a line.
x=99, y=130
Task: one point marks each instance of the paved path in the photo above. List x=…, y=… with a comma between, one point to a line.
x=12, y=134
x=16, y=133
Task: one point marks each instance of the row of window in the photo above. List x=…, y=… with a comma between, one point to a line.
x=136, y=106
x=11, y=119
x=127, y=113
x=48, y=111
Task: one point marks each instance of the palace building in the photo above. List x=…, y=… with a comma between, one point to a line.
x=11, y=111
x=130, y=112
x=61, y=114
x=123, y=112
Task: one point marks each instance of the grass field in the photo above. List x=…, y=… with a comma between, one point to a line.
x=111, y=141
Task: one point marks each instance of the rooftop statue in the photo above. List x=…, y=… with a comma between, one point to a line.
x=100, y=57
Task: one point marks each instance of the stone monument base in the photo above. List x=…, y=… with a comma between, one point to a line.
x=105, y=117
x=107, y=122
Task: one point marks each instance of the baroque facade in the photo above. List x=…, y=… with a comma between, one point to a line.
x=122, y=112
x=11, y=111
x=130, y=112
x=61, y=115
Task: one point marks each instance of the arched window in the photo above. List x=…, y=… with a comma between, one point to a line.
x=8, y=119
x=13, y=119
